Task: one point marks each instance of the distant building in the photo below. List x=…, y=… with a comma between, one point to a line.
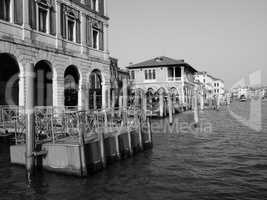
x=212, y=86
x=165, y=74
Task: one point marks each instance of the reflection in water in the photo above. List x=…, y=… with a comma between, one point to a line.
x=230, y=162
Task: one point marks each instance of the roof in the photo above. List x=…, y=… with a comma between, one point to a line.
x=124, y=71
x=159, y=62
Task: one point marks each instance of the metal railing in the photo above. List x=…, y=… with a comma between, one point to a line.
x=13, y=121
x=60, y=124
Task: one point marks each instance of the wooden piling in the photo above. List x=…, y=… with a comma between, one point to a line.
x=196, y=117
x=101, y=146
x=170, y=109
x=82, y=132
x=161, y=104
x=29, y=83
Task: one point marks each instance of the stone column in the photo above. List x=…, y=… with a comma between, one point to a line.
x=106, y=40
x=12, y=13
x=83, y=33
x=58, y=25
x=21, y=90
x=82, y=97
x=29, y=108
x=106, y=95
x=26, y=20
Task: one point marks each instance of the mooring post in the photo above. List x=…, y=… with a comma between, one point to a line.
x=125, y=93
x=196, y=117
x=140, y=131
x=170, y=109
x=82, y=132
x=202, y=101
x=116, y=137
x=161, y=104
x=144, y=103
x=102, y=148
x=149, y=130
x=29, y=106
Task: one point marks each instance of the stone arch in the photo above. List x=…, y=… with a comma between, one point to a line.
x=72, y=86
x=95, y=89
x=9, y=79
x=103, y=79
x=43, y=83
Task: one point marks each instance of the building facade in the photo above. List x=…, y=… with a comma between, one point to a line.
x=61, y=46
x=211, y=86
x=163, y=74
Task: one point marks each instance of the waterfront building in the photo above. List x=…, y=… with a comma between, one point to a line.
x=218, y=87
x=62, y=45
x=212, y=86
x=164, y=75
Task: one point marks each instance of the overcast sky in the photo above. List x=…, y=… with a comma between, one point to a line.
x=227, y=38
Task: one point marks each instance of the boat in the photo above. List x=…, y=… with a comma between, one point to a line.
x=243, y=98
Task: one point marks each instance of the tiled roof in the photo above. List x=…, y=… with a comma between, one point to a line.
x=158, y=61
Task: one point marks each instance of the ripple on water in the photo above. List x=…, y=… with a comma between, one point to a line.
x=228, y=163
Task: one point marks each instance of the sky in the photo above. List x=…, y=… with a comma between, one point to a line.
x=226, y=38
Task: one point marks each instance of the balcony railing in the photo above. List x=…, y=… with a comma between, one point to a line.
x=174, y=78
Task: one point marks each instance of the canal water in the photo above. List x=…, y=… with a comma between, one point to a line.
x=221, y=159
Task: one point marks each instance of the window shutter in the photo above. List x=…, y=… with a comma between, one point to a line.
x=101, y=38
x=101, y=6
x=32, y=14
x=89, y=31
x=63, y=22
x=18, y=16
x=78, y=31
x=53, y=20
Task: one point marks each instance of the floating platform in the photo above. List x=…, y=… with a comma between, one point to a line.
x=68, y=156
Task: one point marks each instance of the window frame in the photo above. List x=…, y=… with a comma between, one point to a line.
x=146, y=74
x=95, y=5
x=8, y=9
x=97, y=47
x=43, y=5
x=71, y=18
x=154, y=74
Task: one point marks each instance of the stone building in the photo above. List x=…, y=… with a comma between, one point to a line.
x=59, y=45
x=211, y=86
x=167, y=75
